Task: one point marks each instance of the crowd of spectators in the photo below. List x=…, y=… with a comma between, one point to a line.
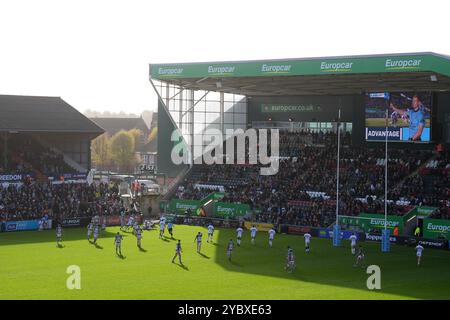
x=58, y=201
x=429, y=187
x=290, y=141
x=304, y=189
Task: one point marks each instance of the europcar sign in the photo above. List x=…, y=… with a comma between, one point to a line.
x=300, y=67
x=436, y=228
x=230, y=210
x=180, y=206
x=396, y=64
x=372, y=221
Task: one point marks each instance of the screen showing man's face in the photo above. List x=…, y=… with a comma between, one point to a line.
x=415, y=103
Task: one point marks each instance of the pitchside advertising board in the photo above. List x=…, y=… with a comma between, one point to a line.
x=24, y=225
x=220, y=209
x=179, y=206
x=345, y=234
x=408, y=116
x=76, y=222
x=230, y=210
x=369, y=221
x=410, y=241
x=258, y=225
x=436, y=229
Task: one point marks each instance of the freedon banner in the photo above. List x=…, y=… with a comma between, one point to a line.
x=15, y=177
x=436, y=228
x=230, y=210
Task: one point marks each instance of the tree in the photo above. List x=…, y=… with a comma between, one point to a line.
x=153, y=135
x=123, y=150
x=101, y=152
x=136, y=133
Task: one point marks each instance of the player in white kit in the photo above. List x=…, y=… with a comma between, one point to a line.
x=210, y=233
x=239, y=236
x=58, y=235
x=360, y=257
x=135, y=227
x=162, y=226
x=253, y=231
x=96, y=233
x=230, y=247
x=178, y=252
x=138, y=233
x=89, y=231
x=353, y=239
x=130, y=222
x=307, y=237
x=290, y=260
x=271, y=236
x=170, y=229
x=118, y=243
x=122, y=219
x=419, y=250
x=198, y=239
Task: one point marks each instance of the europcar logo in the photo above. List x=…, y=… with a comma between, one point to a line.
x=336, y=66
x=392, y=64
x=221, y=70
x=438, y=227
x=185, y=206
x=380, y=222
x=170, y=71
x=286, y=68
x=225, y=210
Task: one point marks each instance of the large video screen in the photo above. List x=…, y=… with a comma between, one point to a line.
x=408, y=120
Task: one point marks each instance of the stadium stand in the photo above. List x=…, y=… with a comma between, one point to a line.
x=302, y=192
x=44, y=136
x=27, y=155
x=58, y=201
x=42, y=140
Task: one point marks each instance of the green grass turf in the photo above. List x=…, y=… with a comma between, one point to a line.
x=32, y=267
x=381, y=122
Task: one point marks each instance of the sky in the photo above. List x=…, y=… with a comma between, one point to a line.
x=95, y=54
